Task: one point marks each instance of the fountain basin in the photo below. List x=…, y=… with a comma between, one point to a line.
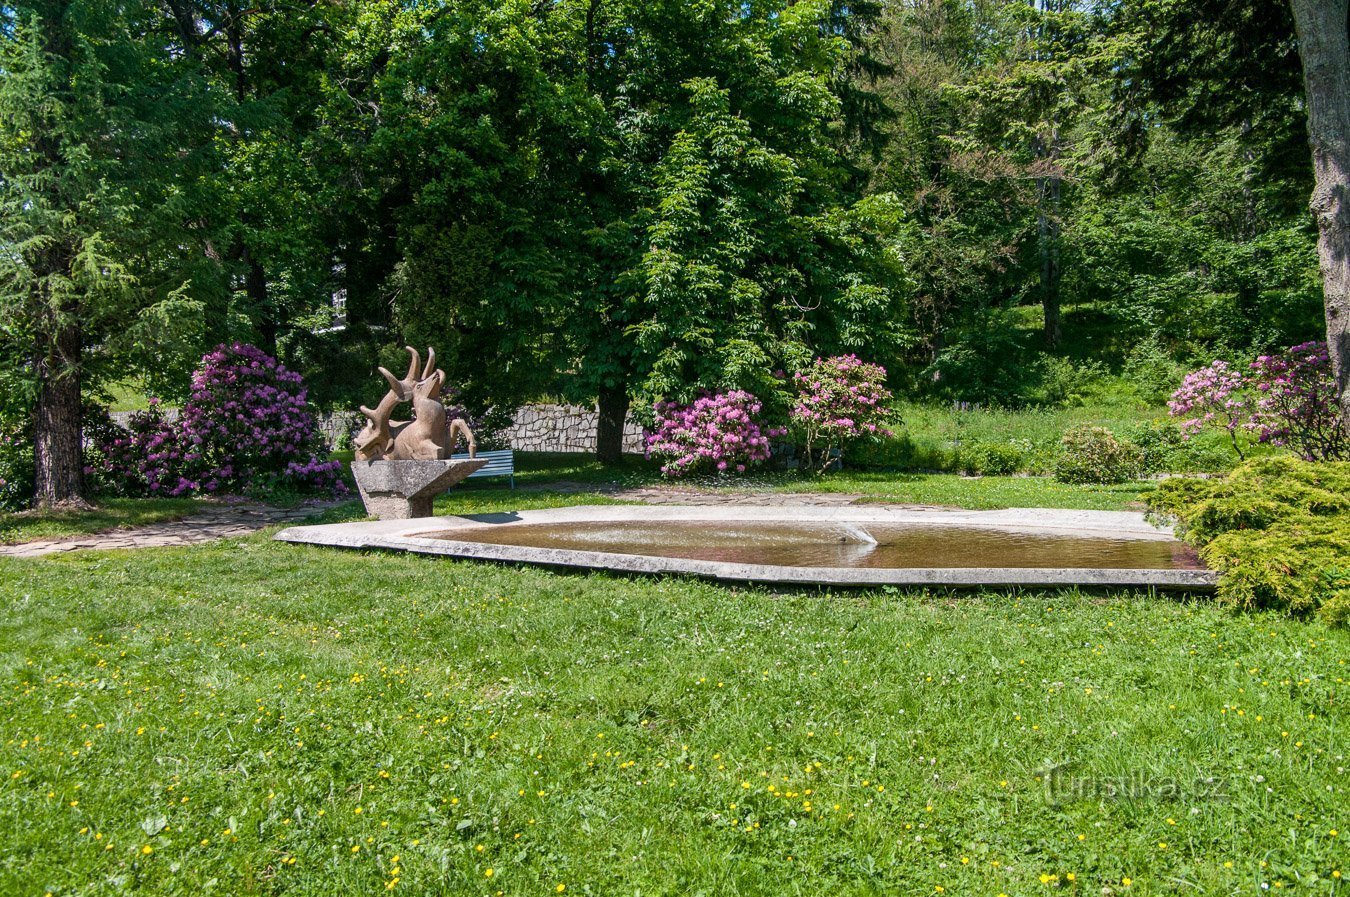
x=831, y=546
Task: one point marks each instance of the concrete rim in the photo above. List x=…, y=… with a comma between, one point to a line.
x=414, y=536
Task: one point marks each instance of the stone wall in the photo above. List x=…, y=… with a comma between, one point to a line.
x=564, y=428
x=537, y=428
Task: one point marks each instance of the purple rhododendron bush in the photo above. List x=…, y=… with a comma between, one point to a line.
x=1287, y=400
x=834, y=402
x=714, y=434
x=246, y=428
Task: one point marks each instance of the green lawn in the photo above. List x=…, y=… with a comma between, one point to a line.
x=110, y=513
x=253, y=717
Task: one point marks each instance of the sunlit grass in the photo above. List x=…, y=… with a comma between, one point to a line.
x=256, y=717
x=107, y=514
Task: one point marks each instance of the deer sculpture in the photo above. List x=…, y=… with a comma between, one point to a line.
x=376, y=438
x=428, y=436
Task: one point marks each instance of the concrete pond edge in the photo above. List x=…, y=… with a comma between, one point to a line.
x=414, y=536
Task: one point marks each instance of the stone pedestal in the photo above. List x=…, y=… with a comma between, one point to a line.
x=398, y=490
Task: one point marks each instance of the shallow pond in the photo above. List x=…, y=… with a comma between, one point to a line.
x=825, y=544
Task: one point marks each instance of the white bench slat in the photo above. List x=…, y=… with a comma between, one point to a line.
x=500, y=463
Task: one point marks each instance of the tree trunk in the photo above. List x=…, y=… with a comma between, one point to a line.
x=1324, y=47
x=613, y=407
x=255, y=285
x=1048, y=227
x=57, y=422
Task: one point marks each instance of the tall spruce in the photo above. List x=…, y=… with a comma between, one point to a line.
x=100, y=127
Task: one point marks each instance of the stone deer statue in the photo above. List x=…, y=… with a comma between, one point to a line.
x=425, y=438
x=428, y=437
x=376, y=438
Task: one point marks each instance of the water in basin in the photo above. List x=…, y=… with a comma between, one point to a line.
x=840, y=545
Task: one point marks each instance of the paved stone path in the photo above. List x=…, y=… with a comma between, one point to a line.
x=213, y=522
x=658, y=495
x=692, y=495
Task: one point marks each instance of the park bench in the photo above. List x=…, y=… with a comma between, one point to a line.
x=499, y=464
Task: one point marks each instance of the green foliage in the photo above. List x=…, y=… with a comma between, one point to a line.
x=16, y=464
x=1096, y=455
x=991, y=458
x=102, y=134
x=1163, y=450
x=1277, y=528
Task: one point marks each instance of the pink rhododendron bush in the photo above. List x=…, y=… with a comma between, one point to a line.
x=1214, y=397
x=245, y=429
x=719, y=433
x=840, y=400
x=1287, y=400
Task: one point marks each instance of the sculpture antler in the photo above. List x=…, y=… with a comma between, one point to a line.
x=432, y=391
x=377, y=438
x=404, y=387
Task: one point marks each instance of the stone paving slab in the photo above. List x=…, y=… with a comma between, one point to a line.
x=692, y=495
x=223, y=521
x=656, y=495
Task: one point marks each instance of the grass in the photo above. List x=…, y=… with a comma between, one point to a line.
x=253, y=717
x=127, y=395
x=984, y=492
x=111, y=513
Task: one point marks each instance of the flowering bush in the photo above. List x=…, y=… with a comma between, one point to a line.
x=1289, y=400
x=1296, y=404
x=716, y=433
x=140, y=459
x=1214, y=396
x=245, y=428
x=839, y=400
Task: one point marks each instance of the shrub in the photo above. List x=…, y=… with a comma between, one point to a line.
x=897, y=452
x=1064, y=383
x=1214, y=396
x=1289, y=400
x=717, y=433
x=16, y=464
x=245, y=428
x=1163, y=449
x=991, y=458
x=839, y=401
x=1095, y=455
x=127, y=461
x=1277, y=529
x=1297, y=403
x=1151, y=371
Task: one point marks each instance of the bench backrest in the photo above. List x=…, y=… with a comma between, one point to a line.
x=499, y=463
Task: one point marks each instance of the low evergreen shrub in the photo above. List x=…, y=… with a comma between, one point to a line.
x=1277, y=529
